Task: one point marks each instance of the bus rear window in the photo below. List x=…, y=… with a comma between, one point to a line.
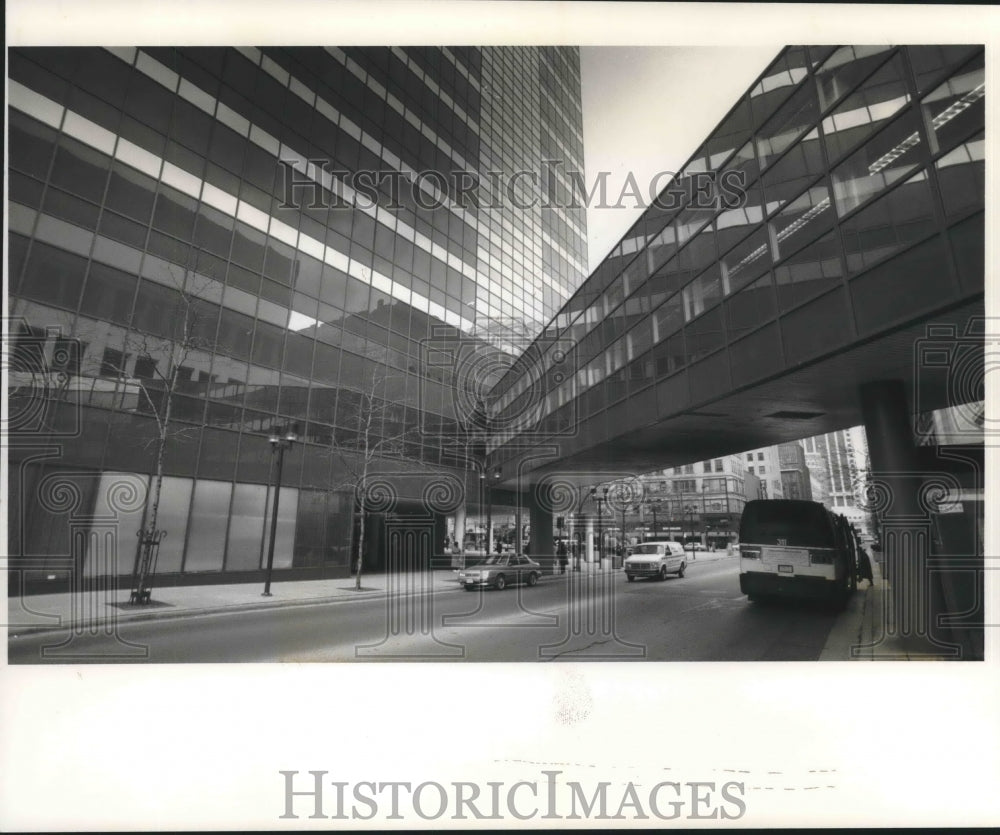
x=801, y=524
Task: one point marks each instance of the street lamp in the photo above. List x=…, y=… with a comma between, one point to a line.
x=494, y=476
x=600, y=528
x=690, y=512
x=704, y=513
x=279, y=443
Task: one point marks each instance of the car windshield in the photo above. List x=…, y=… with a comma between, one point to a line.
x=797, y=523
x=497, y=559
x=647, y=548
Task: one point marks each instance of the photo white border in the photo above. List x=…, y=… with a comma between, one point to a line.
x=200, y=746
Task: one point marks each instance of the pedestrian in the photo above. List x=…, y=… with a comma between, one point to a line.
x=561, y=554
x=865, y=567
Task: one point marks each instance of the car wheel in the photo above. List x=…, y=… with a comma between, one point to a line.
x=500, y=582
x=532, y=579
x=680, y=571
x=468, y=588
x=663, y=572
x=629, y=577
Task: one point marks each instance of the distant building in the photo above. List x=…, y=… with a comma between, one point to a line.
x=795, y=479
x=765, y=464
x=834, y=456
x=752, y=487
x=701, y=501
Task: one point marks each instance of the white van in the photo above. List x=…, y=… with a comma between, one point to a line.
x=656, y=559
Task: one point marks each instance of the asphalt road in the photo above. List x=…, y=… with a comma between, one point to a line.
x=700, y=617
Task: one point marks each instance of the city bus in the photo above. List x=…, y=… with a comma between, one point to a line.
x=796, y=549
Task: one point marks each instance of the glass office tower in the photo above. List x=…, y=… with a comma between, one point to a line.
x=261, y=239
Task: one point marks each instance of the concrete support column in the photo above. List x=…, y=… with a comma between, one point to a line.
x=542, y=545
x=589, y=538
x=519, y=524
x=458, y=555
x=898, y=478
x=440, y=536
x=890, y=440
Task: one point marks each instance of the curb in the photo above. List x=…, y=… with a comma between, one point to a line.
x=139, y=616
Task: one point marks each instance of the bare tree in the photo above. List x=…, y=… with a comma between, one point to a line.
x=149, y=371
x=372, y=430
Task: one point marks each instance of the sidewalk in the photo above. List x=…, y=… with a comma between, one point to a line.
x=99, y=609
x=861, y=632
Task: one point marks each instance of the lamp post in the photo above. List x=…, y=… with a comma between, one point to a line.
x=600, y=526
x=704, y=513
x=652, y=507
x=690, y=513
x=494, y=475
x=279, y=443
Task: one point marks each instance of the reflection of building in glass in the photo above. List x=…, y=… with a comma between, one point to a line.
x=263, y=238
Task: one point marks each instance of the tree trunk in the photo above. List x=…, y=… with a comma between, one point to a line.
x=161, y=448
x=361, y=545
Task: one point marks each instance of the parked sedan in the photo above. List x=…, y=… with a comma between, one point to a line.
x=499, y=571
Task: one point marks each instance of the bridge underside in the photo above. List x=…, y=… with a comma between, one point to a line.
x=820, y=396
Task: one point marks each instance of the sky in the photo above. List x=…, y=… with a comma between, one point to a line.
x=646, y=110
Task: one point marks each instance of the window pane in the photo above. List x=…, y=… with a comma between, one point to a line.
x=844, y=69
x=122, y=229
x=310, y=529
x=209, y=514
x=957, y=107
x=898, y=219
x=153, y=307
x=777, y=83
x=127, y=524
x=80, y=169
x=66, y=206
x=701, y=294
x=246, y=527
x=734, y=224
x=746, y=261
x=108, y=294
x=248, y=247
x=175, y=213
x=668, y=318
x=884, y=160
x=808, y=273
x=802, y=220
x=172, y=517
x=929, y=62
x=730, y=135
x=865, y=110
x=53, y=276
x=961, y=176
x=284, y=542
x=796, y=170
x=131, y=193
x=31, y=144
x=787, y=125
x=213, y=231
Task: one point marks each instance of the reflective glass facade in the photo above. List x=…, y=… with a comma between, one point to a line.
x=254, y=235
x=841, y=195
